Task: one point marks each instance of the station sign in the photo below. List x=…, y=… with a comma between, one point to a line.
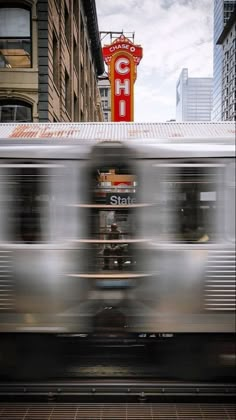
x=121, y=199
x=122, y=58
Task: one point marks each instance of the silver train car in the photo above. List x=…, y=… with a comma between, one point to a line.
x=170, y=189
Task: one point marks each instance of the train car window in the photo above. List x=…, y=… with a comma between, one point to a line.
x=113, y=216
x=27, y=202
x=193, y=201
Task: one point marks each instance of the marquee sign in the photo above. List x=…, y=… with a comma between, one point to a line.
x=122, y=58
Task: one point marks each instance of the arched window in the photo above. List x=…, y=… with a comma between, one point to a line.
x=13, y=110
x=15, y=37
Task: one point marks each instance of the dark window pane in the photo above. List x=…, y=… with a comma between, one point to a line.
x=76, y=11
x=23, y=113
x=67, y=93
x=28, y=200
x=56, y=68
x=193, y=200
x=67, y=25
x=7, y=113
x=11, y=112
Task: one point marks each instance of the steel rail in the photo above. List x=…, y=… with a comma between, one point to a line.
x=119, y=388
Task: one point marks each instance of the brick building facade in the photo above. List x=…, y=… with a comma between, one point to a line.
x=50, y=57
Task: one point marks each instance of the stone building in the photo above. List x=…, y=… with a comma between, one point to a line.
x=105, y=93
x=50, y=58
x=227, y=40
x=223, y=10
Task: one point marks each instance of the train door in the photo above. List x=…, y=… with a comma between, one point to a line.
x=114, y=267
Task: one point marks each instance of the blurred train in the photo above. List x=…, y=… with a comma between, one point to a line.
x=170, y=189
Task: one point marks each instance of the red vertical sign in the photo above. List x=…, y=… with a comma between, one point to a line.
x=122, y=57
x=122, y=80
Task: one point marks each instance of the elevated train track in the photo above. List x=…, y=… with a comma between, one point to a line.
x=125, y=411
x=122, y=390
x=116, y=400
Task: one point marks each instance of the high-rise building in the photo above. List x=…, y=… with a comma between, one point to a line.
x=227, y=40
x=105, y=93
x=50, y=57
x=222, y=12
x=193, y=98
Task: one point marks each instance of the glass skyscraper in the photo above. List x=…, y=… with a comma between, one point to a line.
x=222, y=12
x=193, y=98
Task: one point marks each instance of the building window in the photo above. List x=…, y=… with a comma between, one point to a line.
x=105, y=116
x=11, y=111
x=15, y=37
x=67, y=25
x=82, y=34
x=76, y=11
x=82, y=78
x=105, y=104
x=76, y=108
x=67, y=92
x=104, y=92
x=76, y=56
x=56, y=69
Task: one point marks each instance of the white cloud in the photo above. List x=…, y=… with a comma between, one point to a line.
x=174, y=34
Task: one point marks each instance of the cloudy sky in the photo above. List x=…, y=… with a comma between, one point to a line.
x=174, y=34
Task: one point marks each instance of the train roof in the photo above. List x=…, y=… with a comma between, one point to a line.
x=93, y=132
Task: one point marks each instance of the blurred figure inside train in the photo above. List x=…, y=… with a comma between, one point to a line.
x=113, y=249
